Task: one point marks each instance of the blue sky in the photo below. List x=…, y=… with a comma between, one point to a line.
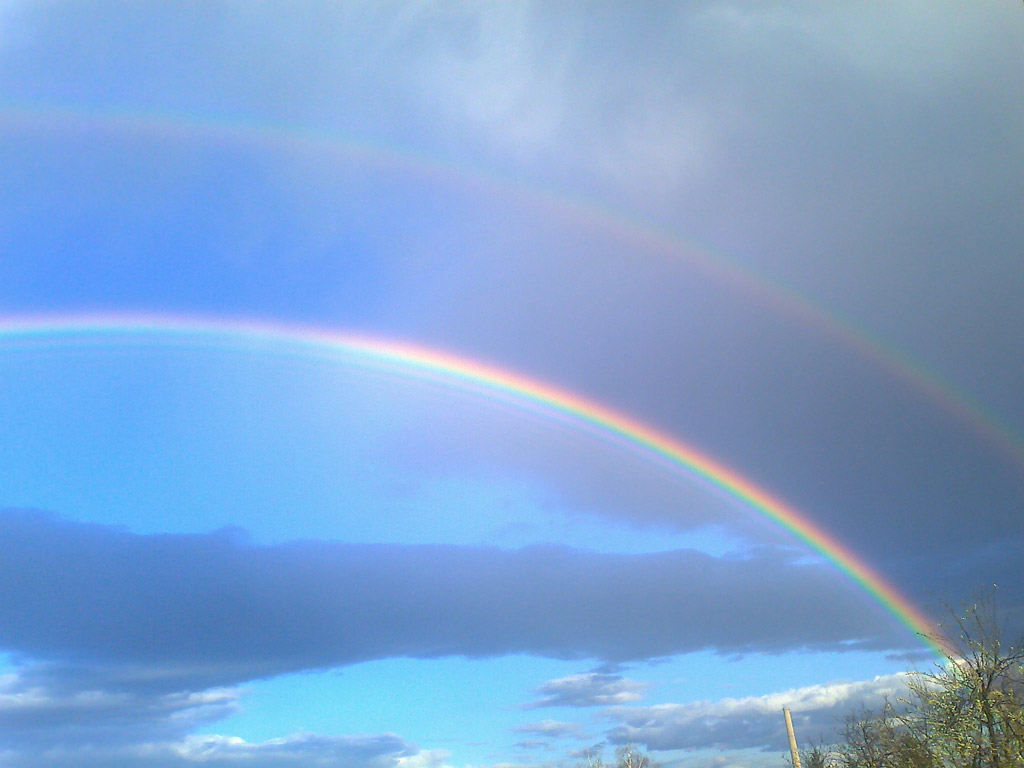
x=702, y=215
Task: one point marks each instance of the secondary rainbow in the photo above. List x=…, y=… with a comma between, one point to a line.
x=490, y=381
x=667, y=246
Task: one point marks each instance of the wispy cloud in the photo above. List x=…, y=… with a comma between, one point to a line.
x=592, y=689
x=555, y=729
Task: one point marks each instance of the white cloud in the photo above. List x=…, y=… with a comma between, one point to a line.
x=371, y=750
x=427, y=758
x=215, y=751
x=752, y=721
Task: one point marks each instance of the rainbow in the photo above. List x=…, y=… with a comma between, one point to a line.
x=647, y=237
x=490, y=382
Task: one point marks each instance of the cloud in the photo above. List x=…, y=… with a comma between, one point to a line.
x=214, y=751
x=754, y=721
x=907, y=43
x=487, y=76
x=533, y=744
x=39, y=706
x=554, y=729
x=204, y=610
x=384, y=750
x=73, y=717
x=592, y=689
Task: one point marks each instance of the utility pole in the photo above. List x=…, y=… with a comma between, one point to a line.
x=792, y=738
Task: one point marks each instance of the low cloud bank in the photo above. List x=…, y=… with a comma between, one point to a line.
x=205, y=610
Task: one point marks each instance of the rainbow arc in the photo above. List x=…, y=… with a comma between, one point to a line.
x=488, y=381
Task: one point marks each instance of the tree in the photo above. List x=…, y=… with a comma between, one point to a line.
x=967, y=713
x=630, y=757
x=816, y=757
x=625, y=757
x=972, y=708
x=887, y=739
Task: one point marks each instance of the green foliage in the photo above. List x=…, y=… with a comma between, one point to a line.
x=817, y=757
x=972, y=708
x=882, y=740
x=967, y=713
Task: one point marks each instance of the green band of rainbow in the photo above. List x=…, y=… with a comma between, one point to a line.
x=493, y=382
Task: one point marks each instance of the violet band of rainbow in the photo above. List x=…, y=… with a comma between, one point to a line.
x=494, y=382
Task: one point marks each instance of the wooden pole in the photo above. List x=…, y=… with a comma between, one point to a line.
x=792, y=738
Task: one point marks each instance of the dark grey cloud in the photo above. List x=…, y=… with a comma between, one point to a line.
x=592, y=689
x=756, y=721
x=960, y=575
x=870, y=178
x=213, y=609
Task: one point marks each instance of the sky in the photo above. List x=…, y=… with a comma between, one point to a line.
x=786, y=238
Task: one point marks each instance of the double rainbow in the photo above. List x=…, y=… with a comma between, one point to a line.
x=262, y=134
